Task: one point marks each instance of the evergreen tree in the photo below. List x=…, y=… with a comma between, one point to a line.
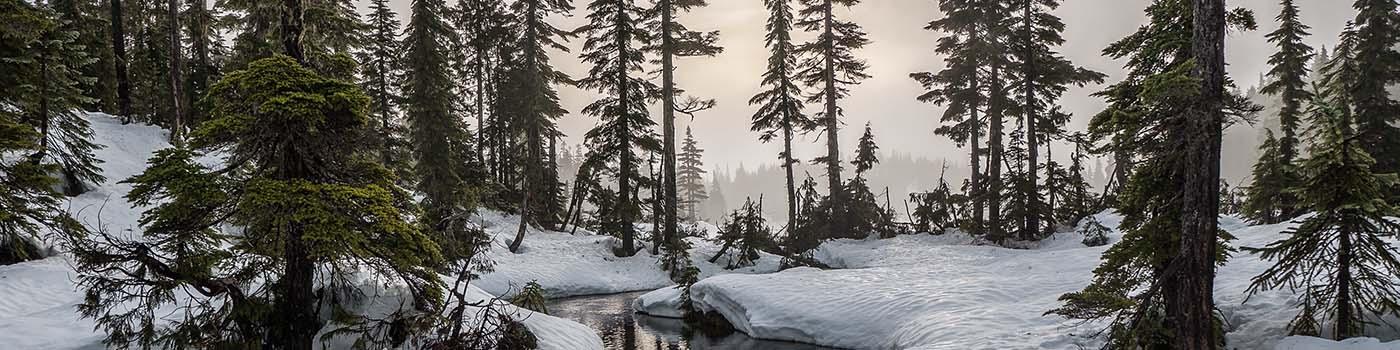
x=1272, y=179
x=1290, y=70
x=830, y=67
x=91, y=34
x=440, y=141
x=747, y=233
x=690, y=180
x=315, y=205
x=780, y=103
x=863, y=213
x=866, y=152
x=381, y=77
x=614, y=48
x=1133, y=286
x=973, y=36
x=117, y=16
x=935, y=211
x=1076, y=198
x=532, y=79
x=176, y=75
x=330, y=30
x=29, y=207
x=1044, y=77
x=672, y=39
x=50, y=95
x=1339, y=260
x=1373, y=45
x=205, y=48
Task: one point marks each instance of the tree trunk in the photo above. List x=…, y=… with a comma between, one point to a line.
x=668, y=122
x=177, y=121
x=1032, y=134
x=1193, y=312
x=200, y=75
x=995, y=110
x=833, y=126
x=787, y=168
x=1347, y=324
x=975, y=179
x=625, y=167
x=119, y=51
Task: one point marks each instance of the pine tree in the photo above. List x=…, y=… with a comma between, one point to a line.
x=863, y=213
x=690, y=178
x=205, y=47
x=972, y=36
x=935, y=211
x=1044, y=76
x=318, y=205
x=866, y=152
x=1290, y=70
x=830, y=67
x=381, y=77
x=440, y=142
x=330, y=31
x=614, y=48
x=1273, y=176
x=672, y=39
x=29, y=207
x=533, y=78
x=780, y=103
x=746, y=232
x=117, y=17
x=1076, y=197
x=176, y=75
x=51, y=96
x=1340, y=258
x=84, y=18
x=1374, y=41
x=1133, y=286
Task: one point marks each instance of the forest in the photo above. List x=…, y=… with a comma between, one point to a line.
x=405, y=174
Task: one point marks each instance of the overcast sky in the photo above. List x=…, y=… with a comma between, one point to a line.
x=899, y=46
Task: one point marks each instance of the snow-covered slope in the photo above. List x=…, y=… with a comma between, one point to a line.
x=941, y=292
x=38, y=298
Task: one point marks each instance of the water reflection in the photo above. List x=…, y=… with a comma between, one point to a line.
x=621, y=329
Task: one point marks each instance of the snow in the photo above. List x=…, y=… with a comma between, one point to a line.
x=584, y=264
x=38, y=308
x=943, y=292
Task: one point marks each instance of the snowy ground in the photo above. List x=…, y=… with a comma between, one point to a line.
x=584, y=264
x=38, y=298
x=941, y=292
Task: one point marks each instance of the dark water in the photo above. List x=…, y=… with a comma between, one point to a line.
x=621, y=329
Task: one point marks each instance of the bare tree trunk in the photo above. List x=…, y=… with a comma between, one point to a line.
x=177, y=120
x=119, y=51
x=995, y=110
x=1032, y=138
x=833, y=127
x=1347, y=324
x=1193, y=313
x=668, y=123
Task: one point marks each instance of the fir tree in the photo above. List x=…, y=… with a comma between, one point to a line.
x=866, y=152
x=51, y=97
x=316, y=204
x=746, y=233
x=673, y=39
x=1044, y=77
x=381, y=77
x=972, y=37
x=1076, y=198
x=440, y=142
x=1290, y=70
x=1272, y=179
x=122, y=74
x=1133, y=286
x=533, y=79
x=780, y=103
x=91, y=34
x=29, y=207
x=830, y=67
x=863, y=213
x=690, y=179
x=614, y=47
x=1373, y=45
x=1339, y=260
x=935, y=211
x=205, y=46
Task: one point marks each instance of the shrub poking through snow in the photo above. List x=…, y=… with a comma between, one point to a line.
x=1095, y=233
x=531, y=297
x=1339, y=257
x=746, y=232
x=935, y=211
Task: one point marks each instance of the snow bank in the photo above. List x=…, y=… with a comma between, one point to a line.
x=942, y=292
x=664, y=302
x=584, y=264
x=38, y=298
x=1310, y=343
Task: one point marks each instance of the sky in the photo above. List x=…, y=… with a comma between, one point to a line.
x=899, y=46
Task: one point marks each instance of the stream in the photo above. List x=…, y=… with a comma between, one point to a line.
x=621, y=329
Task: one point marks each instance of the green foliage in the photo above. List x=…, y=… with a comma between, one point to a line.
x=936, y=211
x=1269, y=201
x=690, y=179
x=1095, y=233
x=1339, y=259
x=1369, y=48
x=1289, y=70
x=1142, y=119
x=29, y=207
x=746, y=232
x=532, y=298
x=299, y=173
x=613, y=46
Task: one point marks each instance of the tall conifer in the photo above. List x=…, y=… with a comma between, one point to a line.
x=780, y=103
x=829, y=68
